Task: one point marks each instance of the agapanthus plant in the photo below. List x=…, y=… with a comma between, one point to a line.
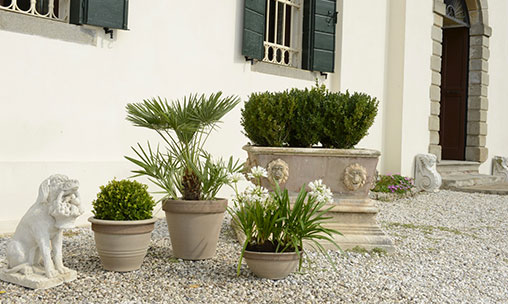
x=276, y=222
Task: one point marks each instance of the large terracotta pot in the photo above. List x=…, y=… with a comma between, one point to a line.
x=122, y=245
x=350, y=174
x=194, y=227
x=271, y=265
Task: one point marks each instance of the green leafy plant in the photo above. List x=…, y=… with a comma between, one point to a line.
x=393, y=183
x=183, y=167
x=303, y=118
x=348, y=118
x=123, y=200
x=265, y=118
x=272, y=223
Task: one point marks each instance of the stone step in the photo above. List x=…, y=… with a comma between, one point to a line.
x=496, y=188
x=454, y=181
x=453, y=167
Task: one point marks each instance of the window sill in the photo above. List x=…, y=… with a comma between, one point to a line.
x=279, y=70
x=31, y=25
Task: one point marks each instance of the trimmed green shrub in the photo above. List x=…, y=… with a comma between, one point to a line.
x=303, y=118
x=266, y=118
x=348, y=118
x=393, y=183
x=305, y=127
x=123, y=200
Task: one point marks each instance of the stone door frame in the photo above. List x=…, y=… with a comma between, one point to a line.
x=478, y=81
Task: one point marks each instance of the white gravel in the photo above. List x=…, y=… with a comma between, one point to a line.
x=451, y=248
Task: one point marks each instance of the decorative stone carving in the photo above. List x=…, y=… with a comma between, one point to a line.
x=500, y=167
x=427, y=178
x=278, y=171
x=34, y=253
x=355, y=176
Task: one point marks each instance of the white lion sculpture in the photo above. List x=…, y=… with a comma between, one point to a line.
x=38, y=236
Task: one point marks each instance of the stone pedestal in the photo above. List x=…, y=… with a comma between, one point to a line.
x=350, y=174
x=38, y=279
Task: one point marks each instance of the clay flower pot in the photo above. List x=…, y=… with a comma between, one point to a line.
x=122, y=245
x=194, y=226
x=271, y=265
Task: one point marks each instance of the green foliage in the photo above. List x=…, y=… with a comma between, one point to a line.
x=275, y=223
x=265, y=118
x=183, y=167
x=348, y=118
x=393, y=183
x=303, y=118
x=123, y=200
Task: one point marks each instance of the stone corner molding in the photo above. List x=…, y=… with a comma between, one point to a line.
x=426, y=177
x=38, y=237
x=500, y=167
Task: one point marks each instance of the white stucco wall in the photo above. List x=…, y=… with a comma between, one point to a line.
x=497, y=125
x=363, y=58
x=63, y=103
x=417, y=79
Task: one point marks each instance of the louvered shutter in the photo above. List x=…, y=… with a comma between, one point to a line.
x=254, y=29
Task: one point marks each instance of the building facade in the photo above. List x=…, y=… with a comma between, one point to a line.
x=437, y=66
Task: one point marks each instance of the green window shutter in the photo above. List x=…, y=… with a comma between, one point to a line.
x=254, y=29
x=103, y=13
x=318, y=49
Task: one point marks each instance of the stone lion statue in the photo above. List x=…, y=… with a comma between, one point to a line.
x=278, y=171
x=355, y=176
x=38, y=236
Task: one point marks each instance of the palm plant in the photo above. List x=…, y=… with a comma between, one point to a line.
x=184, y=167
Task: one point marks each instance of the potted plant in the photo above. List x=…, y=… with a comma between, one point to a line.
x=310, y=134
x=186, y=172
x=122, y=224
x=275, y=227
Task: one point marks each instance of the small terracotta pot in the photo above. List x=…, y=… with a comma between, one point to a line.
x=271, y=265
x=194, y=227
x=122, y=245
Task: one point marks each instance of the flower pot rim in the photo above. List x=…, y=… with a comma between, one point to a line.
x=218, y=205
x=263, y=255
x=194, y=201
x=317, y=151
x=94, y=220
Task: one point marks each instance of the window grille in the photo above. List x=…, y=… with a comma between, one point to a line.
x=282, y=42
x=50, y=9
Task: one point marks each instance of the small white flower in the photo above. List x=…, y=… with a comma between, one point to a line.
x=255, y=193
x=234, y=178
x=320, y=191
x=257, y=172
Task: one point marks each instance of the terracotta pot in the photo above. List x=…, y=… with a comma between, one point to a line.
x=194, y=227
x=122, y=245
x=271, y=265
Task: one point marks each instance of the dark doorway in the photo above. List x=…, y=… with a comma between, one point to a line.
x=454, y=74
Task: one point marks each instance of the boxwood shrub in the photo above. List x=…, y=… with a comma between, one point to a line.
x=123, y=200
x=305, y=118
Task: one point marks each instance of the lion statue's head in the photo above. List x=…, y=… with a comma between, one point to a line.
x=355, y=176
x=61, y=195
x=278, y=171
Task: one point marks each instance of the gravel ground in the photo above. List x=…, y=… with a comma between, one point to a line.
x=451, y=247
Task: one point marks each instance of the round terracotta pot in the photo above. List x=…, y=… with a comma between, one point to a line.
x=122, y=245
x=271, y=265
x=194, y=227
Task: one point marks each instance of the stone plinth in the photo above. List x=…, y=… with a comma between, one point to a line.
x=38, y=279
x=350, y=174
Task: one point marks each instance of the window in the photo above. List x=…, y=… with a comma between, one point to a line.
x=50, y=9
x=296, y=33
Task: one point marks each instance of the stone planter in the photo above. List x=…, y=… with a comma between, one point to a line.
x=271, y=265
x=194, y=227
x=350, y=174
x=122, y=245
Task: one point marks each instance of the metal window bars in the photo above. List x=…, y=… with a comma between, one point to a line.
x=280, y=48
x=50, y=9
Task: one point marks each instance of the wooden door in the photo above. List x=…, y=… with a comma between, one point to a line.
x=454, y=73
